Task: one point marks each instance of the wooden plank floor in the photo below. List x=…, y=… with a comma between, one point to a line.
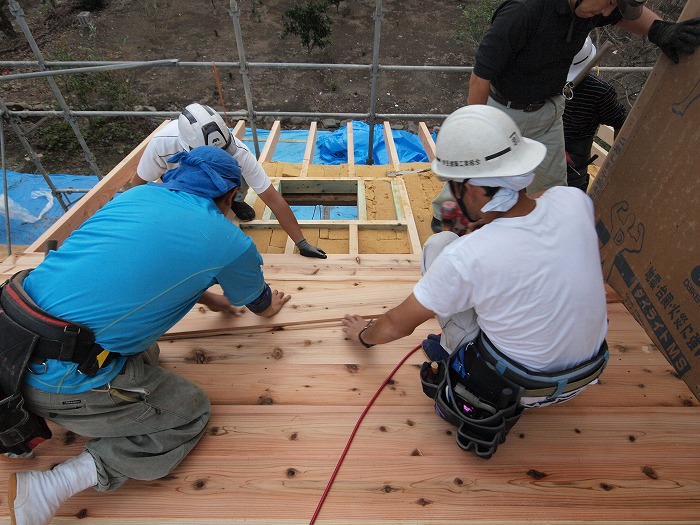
x=287, y=395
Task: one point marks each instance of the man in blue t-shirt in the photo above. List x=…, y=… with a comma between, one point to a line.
x=129, y=274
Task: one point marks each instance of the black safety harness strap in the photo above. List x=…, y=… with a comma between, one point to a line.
x=56, y=338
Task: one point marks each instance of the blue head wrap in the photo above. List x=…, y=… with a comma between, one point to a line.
x=206, y=171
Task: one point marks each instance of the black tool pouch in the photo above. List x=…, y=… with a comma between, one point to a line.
x=20, y=431
x=472, y=396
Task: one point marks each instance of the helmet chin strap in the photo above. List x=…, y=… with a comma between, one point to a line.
x=458, y=198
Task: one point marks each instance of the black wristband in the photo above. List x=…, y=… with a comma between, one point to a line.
x=359, y=336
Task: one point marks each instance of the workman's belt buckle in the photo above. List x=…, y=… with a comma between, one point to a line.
x=535, y=106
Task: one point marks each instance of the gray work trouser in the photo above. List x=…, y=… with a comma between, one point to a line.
x=544, y=125
x=144, y=421
x=461, y=327
x=242, y=191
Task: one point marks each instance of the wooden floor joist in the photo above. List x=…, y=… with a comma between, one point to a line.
x=286, y=393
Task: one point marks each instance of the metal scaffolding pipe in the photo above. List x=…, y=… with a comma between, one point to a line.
x=287, y=65
x=87, y=69
x=378, y=16
x=236, y=18
x=16, y=10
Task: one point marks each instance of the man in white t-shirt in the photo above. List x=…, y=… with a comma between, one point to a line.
x=528, y=278
x=200, y=125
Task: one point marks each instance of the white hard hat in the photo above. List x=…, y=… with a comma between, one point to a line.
x=482, y=141
x=582, y=59
x=199, y=125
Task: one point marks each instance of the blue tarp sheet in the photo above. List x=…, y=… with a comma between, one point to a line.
x=33, y=209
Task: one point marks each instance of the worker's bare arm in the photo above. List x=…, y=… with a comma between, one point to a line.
x=219, y=303
x=282, y=212
x=479, y=89
x=395, y=324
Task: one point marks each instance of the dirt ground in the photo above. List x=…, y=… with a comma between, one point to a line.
x=413, y=33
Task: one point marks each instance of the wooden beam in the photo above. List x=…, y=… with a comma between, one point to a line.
x=361, y=200
x=353, y=242
x=93, y=200
x=391, y=147
x=239, y=130
x=413, y=236
x=303, y=308
x=270, y=144
x=351, y=152
x=427, y=141
x=309, y=151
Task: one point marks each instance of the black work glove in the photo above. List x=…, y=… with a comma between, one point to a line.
x=677, y=37
x=309, y=250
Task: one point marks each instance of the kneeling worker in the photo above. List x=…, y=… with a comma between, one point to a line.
x=199, y=125
x=90, y=315
x=521, y=300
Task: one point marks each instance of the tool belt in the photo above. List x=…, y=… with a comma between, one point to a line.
x=472, y=396
x=56, y=338
x=478, y=390
x=28, y=333
x=526, y=107
x=541, y=384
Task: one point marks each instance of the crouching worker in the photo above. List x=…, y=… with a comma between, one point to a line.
x=92, y=311
x=521, y=300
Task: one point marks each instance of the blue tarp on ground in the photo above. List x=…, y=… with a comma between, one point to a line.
x=33, y=209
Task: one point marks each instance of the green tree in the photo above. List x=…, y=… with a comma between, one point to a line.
x=475, y=21
x=310, y=23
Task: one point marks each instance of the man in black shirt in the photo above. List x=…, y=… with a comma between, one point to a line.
x=522, y=62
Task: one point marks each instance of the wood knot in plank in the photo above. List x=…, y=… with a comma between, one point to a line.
x=606, y=487
x=217, y=431
x=383, y=429
x=70, y=438
x=82, y=513
x=410, y=423
x=389, y=489
x=650, y=472
x=265, y=400
x=198, y=356
x=291, y=472
x=536, y=474
x=577, y=430
x=353, y=369
x=458, y=481
x=416, y=452
x=277, y=353
x=202, y=310
x=300, y=288
x=687, y=402
x=521, y=435
x=278, y=328
x=294, y=436
x=199, y=484
x=632, y=438
x=424, y=502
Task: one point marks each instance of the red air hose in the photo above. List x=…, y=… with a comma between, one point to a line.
x=354, y=431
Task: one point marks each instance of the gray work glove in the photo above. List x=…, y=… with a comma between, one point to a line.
x=677, y=37
x=309, y=250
